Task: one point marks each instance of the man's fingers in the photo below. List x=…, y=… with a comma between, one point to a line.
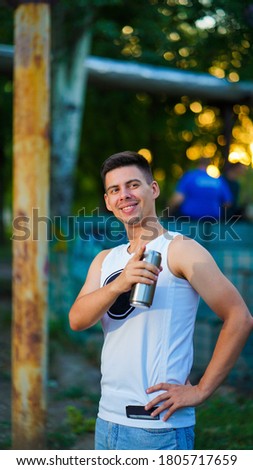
x=157, y=400
x=139, y=253
x=157, y=387
x=170, y=412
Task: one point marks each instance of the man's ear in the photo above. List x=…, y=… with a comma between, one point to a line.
x=155, y=189
x=107, y=202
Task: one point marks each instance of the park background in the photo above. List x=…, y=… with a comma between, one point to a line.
x=96, y=112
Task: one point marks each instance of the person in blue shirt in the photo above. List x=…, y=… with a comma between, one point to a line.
x=232, y=174
x=200, y=196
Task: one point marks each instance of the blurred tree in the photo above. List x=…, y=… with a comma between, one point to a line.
x=180, y=32
x=71, y=38
x=5, y=152
x=212, y=36
x=6, y=88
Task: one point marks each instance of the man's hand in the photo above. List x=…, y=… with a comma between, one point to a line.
x=135, y=271
x=174, y=398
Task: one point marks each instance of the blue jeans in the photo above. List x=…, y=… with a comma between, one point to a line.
x=111, y=436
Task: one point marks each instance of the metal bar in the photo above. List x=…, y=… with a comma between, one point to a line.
x=174, y=82
x=30, y=252
x=153, y=79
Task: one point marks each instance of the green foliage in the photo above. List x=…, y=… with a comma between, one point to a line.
x=57, y=331
x=6, y=97
x=73, y=392
x=160, y=33
x=194, y=35
x=61, y=439
x=78, y=423
x=5, y=440
x=6, y=23
x=71, y=19
x=225, y=422
x=171, y=26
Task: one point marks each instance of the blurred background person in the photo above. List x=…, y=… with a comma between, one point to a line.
x=233, y=173
x=200, y=196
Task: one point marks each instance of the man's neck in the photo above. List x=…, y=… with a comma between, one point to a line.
x=141, y=235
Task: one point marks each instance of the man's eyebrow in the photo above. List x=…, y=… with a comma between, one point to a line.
x=110, y=187
x=127, y=182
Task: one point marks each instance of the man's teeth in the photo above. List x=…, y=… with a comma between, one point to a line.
x=128, y=207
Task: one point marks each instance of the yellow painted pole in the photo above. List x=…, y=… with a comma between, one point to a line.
x=30, y=253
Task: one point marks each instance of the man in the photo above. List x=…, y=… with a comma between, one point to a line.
x=233, y=172
x=147, y=401
x=200, y=196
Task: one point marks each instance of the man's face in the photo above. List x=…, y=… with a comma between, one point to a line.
x=129, y=196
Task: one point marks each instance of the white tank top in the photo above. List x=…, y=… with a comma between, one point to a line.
x=143, y=347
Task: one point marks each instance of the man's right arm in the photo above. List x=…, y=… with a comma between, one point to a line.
x=93, y=301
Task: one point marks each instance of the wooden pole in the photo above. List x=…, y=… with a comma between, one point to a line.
x=30, y=253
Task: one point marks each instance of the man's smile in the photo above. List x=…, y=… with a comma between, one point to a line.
x=128, y=208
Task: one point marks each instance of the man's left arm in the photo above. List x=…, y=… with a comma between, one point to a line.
x=190, y=260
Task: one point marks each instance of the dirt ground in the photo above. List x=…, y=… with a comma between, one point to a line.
x=72, y=393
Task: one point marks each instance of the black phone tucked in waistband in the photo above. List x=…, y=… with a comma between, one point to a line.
x=139, y=412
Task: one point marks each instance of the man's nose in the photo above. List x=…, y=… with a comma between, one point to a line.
x=124, y=193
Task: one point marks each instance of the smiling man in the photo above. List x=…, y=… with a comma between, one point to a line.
x=147, y=401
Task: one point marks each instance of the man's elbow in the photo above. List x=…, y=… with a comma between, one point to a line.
x=247, y=324
x=73, y=321
x=250, y=321
x=78, y=322
x=241, y=322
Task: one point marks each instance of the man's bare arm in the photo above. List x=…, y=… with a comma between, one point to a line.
x=92, y=301
x=191, y=261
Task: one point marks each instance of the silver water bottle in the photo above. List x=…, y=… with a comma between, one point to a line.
x=142, y=294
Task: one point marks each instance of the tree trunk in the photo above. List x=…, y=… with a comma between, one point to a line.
x=69, y=76
x=68, y=97
x=2, y=186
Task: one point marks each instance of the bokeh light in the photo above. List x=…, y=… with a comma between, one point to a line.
x=146, y=154
x=127, y=30
x=196, y=107
x=213, y=171
x=180, y=108
x=159, y=174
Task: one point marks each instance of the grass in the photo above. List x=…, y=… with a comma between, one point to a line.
x=62, y=438
x=73, y=428
x=78, y=423
x=225, y=423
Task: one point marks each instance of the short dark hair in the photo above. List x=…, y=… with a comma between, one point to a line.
x=126, y=158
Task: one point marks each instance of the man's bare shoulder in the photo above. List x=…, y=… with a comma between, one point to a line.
x=99, y=258
x=182, y=242
x=183, y=252
x=92, y=281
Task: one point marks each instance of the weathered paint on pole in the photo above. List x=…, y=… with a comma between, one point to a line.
x=31, y=197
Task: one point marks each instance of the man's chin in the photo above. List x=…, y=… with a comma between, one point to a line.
x=132, y=221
